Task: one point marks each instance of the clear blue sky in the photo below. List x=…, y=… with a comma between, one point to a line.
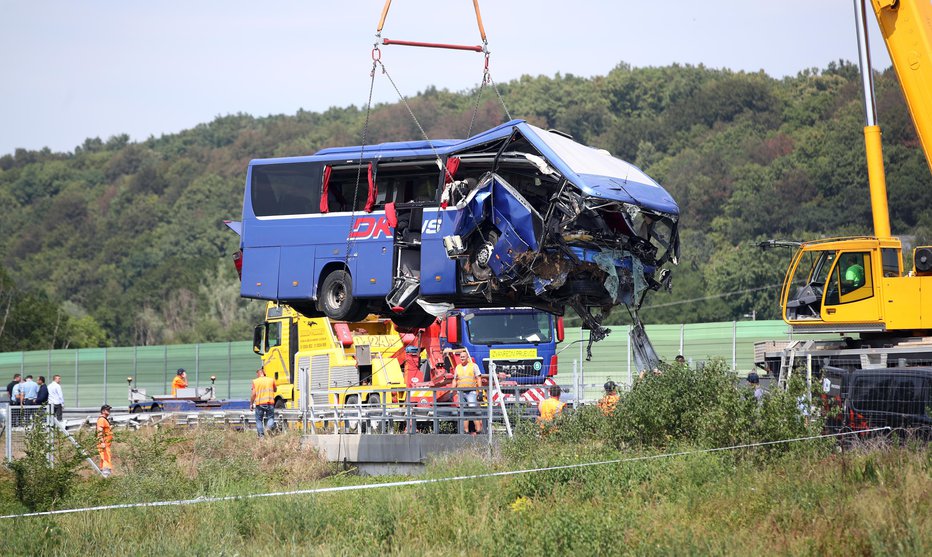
x=90, y=68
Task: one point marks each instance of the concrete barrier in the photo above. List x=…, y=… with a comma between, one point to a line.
x=392, y=454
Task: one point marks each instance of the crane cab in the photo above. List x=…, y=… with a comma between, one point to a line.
x=856, y=285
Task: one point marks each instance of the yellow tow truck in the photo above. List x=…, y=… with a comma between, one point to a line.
x=347, y=363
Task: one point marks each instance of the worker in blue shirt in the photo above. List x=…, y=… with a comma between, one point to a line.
x=29, y=390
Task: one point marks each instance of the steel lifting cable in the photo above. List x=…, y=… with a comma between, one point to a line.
x=376, y=54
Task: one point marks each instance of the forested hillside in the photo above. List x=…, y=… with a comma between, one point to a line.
x=122, y=242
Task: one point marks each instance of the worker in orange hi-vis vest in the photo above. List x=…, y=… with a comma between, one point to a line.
x=263, y=401
x=608, y=402
x=104, y=439
x=466, y=376
x=552, y=407
x=180, y=381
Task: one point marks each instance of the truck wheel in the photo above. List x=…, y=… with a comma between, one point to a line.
x=375, y=425
x=336, y=297
x=135, y=409
x=155, y=408
x=279, y=403
x=351, y=425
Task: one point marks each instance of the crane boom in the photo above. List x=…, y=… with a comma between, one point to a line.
x=906, y=26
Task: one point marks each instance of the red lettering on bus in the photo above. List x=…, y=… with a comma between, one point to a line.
x=362, y=228
x=365, y=228
x=382, y=227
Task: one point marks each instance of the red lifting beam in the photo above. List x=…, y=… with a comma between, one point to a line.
x=476, y=48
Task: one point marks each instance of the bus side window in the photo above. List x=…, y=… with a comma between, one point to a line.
x=285, y=189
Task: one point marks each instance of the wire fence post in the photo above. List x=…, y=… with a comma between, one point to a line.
x=575, y=384
x=77, y=384
x=809, y=378
x=682, y=338
x=580, y=346
x=8, y=431
x=734, y=346
x=105, y=375
x=230, y=369
x=628, y=350
x=197, y=364
x=488, y=400
x=165, y=369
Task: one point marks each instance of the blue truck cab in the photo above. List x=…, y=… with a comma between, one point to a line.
x=521, y=341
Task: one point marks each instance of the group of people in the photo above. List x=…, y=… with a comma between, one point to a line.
x=26, y=392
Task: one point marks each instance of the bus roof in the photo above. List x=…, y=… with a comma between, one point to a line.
x=595, y=171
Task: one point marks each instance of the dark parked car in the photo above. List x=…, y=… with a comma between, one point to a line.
x=870, y=398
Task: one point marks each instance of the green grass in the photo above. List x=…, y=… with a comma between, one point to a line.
x=802, y=502
x=804, y=498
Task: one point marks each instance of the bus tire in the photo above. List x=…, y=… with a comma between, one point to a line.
x=336, y=297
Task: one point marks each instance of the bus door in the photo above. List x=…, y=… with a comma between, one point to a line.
x=407, y=255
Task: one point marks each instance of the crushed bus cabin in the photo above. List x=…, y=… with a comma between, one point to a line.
x=515, y=216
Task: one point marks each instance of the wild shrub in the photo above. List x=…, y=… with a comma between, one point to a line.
x=41, y=481
x=707, y=407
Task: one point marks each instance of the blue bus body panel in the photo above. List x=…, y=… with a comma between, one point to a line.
x=260, y=276
x=284, y=256
x=438, y=272
x=296, y=277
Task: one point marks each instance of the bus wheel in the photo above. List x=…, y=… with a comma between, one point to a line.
x=336, y=297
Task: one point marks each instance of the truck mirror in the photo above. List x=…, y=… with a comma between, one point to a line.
x=453, y=329
x=561, y=332
x=258, y=339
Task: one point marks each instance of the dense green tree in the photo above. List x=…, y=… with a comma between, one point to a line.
x=123, y=242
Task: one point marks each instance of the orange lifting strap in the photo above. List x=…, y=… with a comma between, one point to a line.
x=474, y=48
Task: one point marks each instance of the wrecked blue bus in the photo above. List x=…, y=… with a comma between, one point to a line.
x=515, y=216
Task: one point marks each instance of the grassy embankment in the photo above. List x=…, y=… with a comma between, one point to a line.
x=804, y=498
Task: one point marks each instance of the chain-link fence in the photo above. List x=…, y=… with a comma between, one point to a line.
x=92, y=376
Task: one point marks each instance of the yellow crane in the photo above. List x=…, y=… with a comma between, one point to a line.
x=858, y=286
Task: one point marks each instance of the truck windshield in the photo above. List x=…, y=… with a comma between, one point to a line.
x=514, y=328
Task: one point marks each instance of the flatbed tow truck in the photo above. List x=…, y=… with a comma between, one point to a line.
x=189, y=399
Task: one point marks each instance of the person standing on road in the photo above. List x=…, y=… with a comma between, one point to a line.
x=29, y=390
x=754, y=383
x=42, y=396
x=16, y=394
x=466, y=376
x=608, y=402
x=180, y=381
x=104, y=440
x=9, y=386
x=56, y=397
x=263, y=401
x=552, y=407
